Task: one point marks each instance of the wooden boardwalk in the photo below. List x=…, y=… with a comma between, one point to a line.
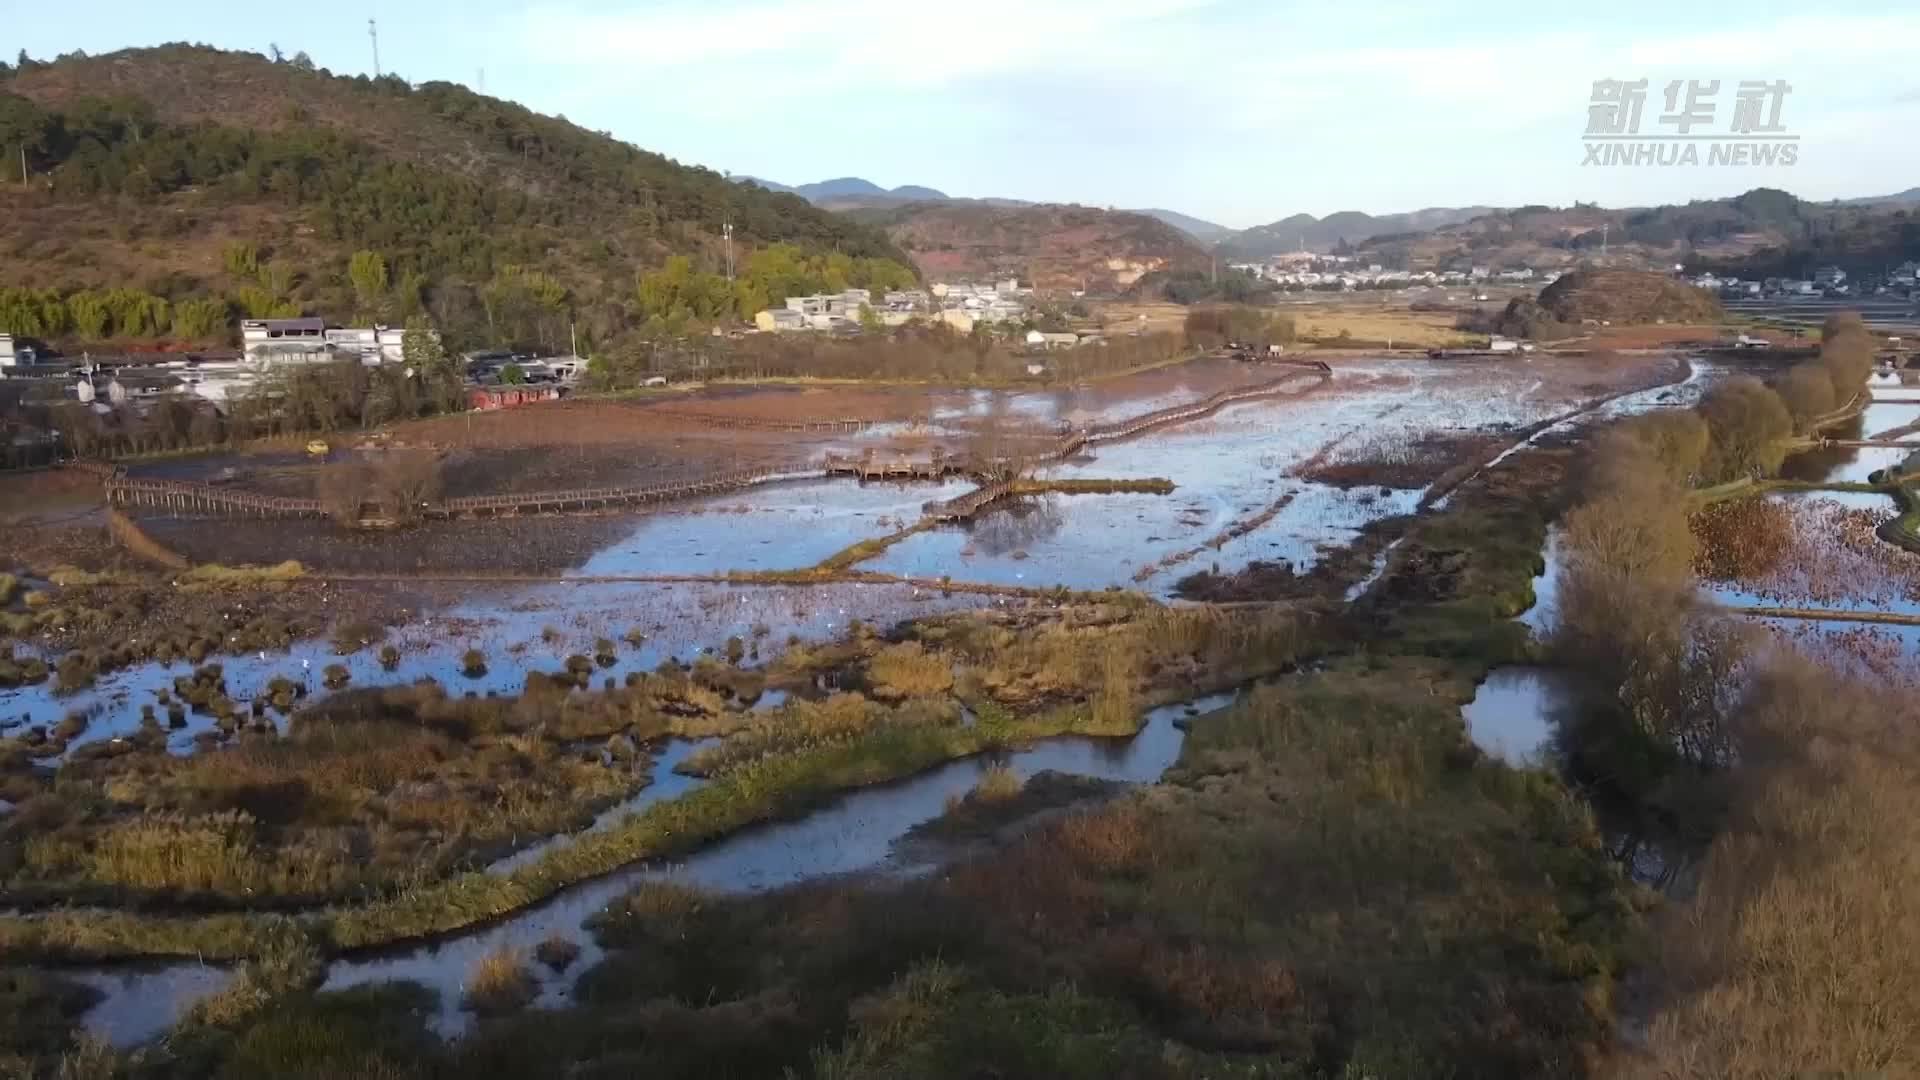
x=962, y=507
x=1891, y=618
x=180, y=497
x=873, y=465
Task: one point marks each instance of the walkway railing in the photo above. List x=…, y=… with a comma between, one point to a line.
x=190, y=498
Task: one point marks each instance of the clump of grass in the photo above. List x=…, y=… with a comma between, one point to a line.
x=336, y=676
x=72, y=577
x=908, y=670
x=557, y=952
x=214, y=576
x=8, y=586
x=70, y=726
x=500, y=983
x=635, y=637
x=473, y=663
x=389, y=657
x=75, y=671
x=604, y=652
x=351, y=636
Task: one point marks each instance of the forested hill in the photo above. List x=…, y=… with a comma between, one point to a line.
x=198, y=175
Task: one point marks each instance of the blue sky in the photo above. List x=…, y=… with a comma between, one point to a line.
x=1240, y=111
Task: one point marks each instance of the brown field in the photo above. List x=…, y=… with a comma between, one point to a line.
x=1404, y=329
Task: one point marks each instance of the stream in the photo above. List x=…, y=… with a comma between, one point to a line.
x=854, y=834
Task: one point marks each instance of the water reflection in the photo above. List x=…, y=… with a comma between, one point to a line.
x=1017, y=524
x=1514, y=713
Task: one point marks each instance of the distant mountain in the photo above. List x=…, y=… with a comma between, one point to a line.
x=1908, y=197
x=1304, y=232
x=849, y=191
x=1052, y=247
x=1764, y=232
x=1204, y=231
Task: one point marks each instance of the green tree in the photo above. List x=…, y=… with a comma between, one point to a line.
x=870, y=320
x=367, y=270
x=199, y=320
x=89, y=314
x=439, y=375
x=513, y=375
x=135, y=313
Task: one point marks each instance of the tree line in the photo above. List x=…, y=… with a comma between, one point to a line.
x=678, y=297
x=1785, y=781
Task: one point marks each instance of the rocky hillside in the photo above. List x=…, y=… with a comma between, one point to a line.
x=1056, y=248
x=194, y=173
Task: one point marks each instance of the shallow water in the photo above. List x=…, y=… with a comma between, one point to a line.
x=1835, y=576
x=1227, y=468
x=855, y=833
x=1546, y=585
x=509, y=626
x=1512, y=713
x=781, y=527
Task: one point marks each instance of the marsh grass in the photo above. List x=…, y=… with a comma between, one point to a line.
x=500, y=982
x=213, y=576
x=907, y=670
x=39, y=1016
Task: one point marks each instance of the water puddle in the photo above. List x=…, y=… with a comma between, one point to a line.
x=1511, y=716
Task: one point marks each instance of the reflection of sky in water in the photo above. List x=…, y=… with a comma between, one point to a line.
x=784, y=527
x=1511, y=715
x=1227, y=468
x=1887, y=651
x=1884, y=416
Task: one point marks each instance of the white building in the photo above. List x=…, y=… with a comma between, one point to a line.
x=7, y=357
x=311, y=340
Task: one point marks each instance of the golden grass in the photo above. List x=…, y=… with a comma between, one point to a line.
x=997, y=784
x=500, y=982
x=908, y=670
x=212, y=576
x=1405, y=329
